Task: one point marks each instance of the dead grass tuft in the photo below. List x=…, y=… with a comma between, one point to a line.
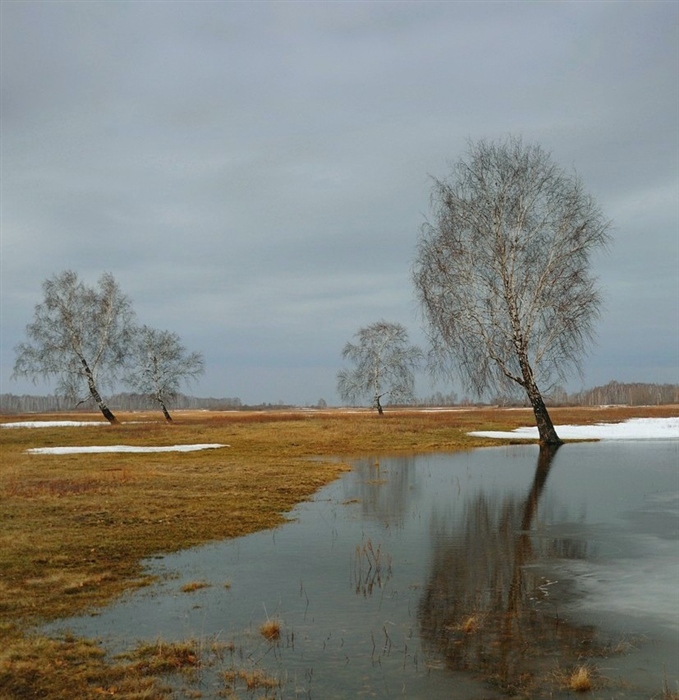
x=271, y=630
x=251, y=679
x=470, y=625
x=580, y=680
x=194, y=586
x=667, y=692
x=157, y=658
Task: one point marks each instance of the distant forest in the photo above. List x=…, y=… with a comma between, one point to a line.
x=11, y=403
x=613, y=393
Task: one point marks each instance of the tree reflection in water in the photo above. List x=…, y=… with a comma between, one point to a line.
x=485, y=610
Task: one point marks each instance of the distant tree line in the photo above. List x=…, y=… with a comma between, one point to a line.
x=613, y=393
x=12, y=403
x=634, y=394
x=438, y=398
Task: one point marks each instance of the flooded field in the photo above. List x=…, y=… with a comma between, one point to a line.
x=492, y=573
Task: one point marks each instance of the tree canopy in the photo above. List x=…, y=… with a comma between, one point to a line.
x=503, y=271
x=384, y=363
x=80, y=335
x=86, y=338
x=160, y=365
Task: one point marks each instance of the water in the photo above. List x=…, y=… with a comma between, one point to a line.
x=465, y=575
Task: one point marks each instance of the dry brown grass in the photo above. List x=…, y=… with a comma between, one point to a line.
x=580, y=680
x=192, y=586
x=667, y=692
x=271, y=630
x=75, y=528
x=470, y=624
x=67, y=668
x=251, y=679
x=159, y=657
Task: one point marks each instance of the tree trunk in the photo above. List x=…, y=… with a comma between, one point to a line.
x=96, y=396
x=166, y=413
x=107, y=412
x=546, y=429
x=378, y=405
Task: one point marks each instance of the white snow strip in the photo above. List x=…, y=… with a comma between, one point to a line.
x=52, y=423
x=633, y=429
x=120, y=448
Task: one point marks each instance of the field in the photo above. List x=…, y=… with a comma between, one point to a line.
x=75, y=527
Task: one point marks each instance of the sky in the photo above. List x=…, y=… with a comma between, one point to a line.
x=255, y=174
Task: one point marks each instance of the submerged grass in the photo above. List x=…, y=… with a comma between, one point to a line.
x=580, y=680
x=194, y=586
x=252, y=680
x=158, y=658
x=74, y=529
x=270, y=630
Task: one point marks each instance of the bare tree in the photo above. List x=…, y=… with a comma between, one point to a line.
x=385, y=363
x=161, y=364
x=503, y=274
x=79, y=335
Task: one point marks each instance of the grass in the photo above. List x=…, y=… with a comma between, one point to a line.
x=470, y=624
x=580, y=680
x=75, y=528
x=271, y=630
x=158, y=658
x=252, y=680
x=667, y=692
x=67, y=668
x=194, y=586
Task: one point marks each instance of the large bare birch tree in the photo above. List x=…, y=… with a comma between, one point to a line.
x=503, y=271
x=79, y=335
x=384, y=363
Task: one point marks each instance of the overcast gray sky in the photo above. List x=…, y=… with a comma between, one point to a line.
x=255, y=174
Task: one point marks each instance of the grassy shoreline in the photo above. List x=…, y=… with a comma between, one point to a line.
x=75, y=528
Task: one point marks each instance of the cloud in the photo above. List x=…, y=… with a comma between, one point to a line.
x=255, y=174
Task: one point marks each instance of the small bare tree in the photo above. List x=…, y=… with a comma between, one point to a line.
x=161, y=364
x=80, y=335
x=503, y=273
x=385, y=363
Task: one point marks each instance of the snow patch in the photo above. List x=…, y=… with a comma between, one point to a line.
x=52, y=423
x=633, y=429
x=120, y=448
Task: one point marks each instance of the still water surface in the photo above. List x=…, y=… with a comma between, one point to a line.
x=466, y=575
